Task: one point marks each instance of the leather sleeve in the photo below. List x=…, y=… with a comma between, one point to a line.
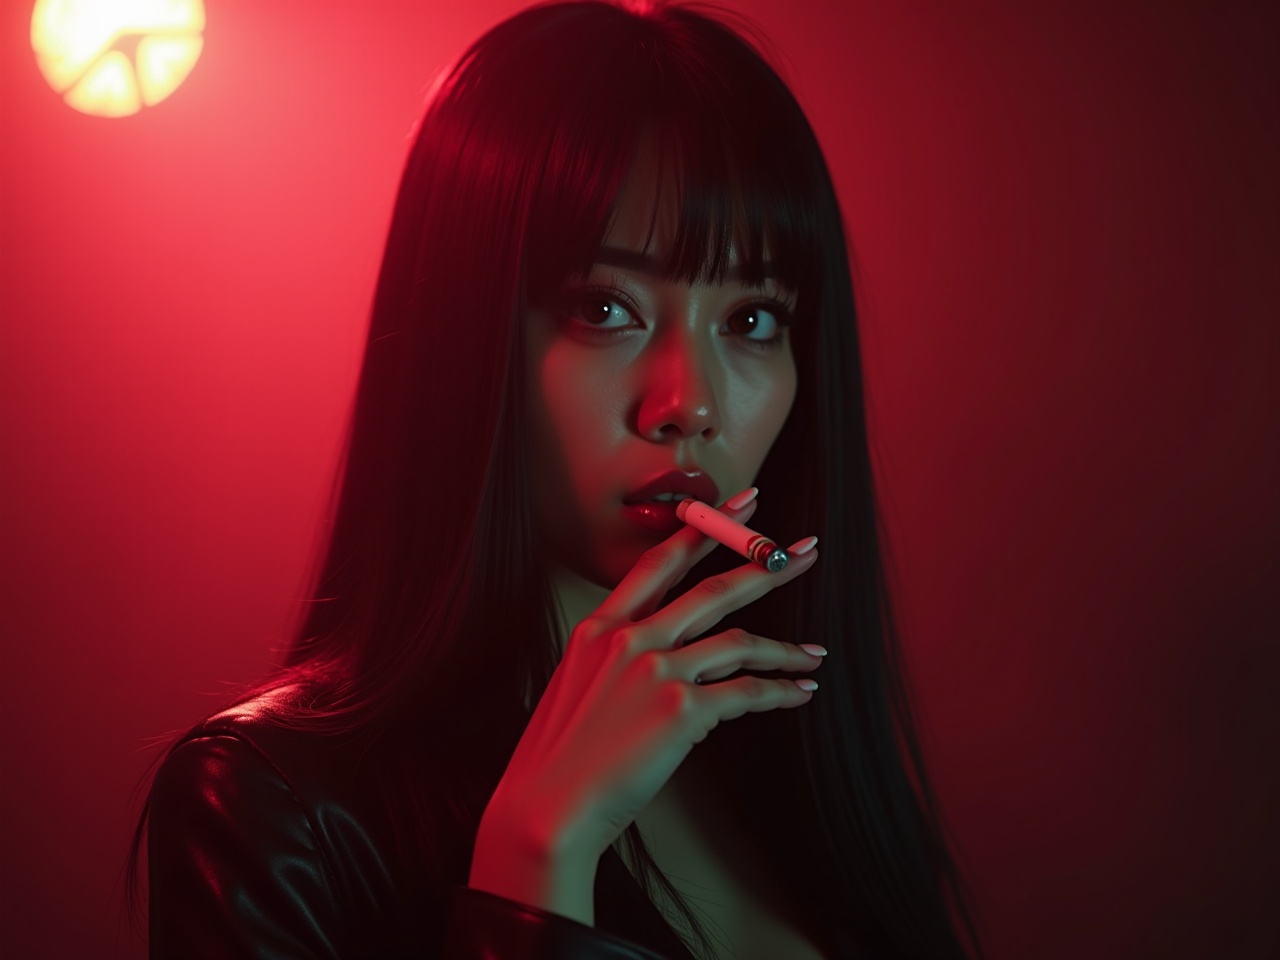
x=238, y=869
x=234, y=866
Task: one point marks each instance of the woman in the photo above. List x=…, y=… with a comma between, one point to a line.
x=615, y=256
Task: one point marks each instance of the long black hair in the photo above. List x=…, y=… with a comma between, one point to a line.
x=432, y=610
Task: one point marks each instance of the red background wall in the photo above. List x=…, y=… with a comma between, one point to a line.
x=1067, y=225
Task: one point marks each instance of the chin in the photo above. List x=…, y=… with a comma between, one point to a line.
x=613, y=563
x=608, y=558
x=610, y=572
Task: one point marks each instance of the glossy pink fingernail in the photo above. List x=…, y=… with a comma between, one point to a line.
x=802, y=546
x=742, y=499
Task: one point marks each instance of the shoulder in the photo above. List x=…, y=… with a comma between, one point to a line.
x=265, y=728
x=247, y=770
x=260, y=829
x=250, y=746
x=252, y=771
x=355, y=791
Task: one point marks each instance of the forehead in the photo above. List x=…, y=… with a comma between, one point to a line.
x=648, y=208
x=646, y=216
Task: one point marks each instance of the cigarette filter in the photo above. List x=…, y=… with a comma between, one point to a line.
x=756, y=547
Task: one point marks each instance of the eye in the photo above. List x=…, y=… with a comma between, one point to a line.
x=599, y=313
x=605, y=314
x=596, y=309
x=769, y=317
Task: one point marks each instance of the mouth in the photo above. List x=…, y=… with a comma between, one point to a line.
x=652, y=505
x=673, y=486
x=659, y=515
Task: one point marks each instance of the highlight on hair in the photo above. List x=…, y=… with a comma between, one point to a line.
x=432, y=611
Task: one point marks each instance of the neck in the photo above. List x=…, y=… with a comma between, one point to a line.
x=577, y=598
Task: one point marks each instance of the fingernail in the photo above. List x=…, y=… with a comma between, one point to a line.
x=802, y=546
x=742, y=499
x=813, y=648
x=806, y=684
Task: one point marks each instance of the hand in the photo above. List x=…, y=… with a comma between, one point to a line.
x=622, y=709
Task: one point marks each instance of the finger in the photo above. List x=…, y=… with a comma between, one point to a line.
x=733, y=698
x=663, y=566
x=705, y=545
x=702, y=607
x=726, y=653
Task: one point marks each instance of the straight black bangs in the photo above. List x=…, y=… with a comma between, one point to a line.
x=715, y=126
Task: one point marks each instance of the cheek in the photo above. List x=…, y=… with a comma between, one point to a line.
x=762, y=409
x=572, y=432
x=572, y=413
x=571, y=401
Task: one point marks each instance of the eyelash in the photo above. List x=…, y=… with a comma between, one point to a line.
x=781, y=313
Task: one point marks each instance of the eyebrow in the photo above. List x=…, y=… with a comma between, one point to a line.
x=649, y=265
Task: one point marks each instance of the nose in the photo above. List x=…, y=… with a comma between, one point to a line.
x=677, y=395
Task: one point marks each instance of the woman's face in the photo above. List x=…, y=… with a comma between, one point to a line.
x=631, y=376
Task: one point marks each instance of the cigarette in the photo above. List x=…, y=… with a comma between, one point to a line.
x=756, y=547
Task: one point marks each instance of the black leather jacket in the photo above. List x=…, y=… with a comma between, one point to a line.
x=261, y=843
x=267, y=841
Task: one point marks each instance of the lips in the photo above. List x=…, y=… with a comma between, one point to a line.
x=681, y=483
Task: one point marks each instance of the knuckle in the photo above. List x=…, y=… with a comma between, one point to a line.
x=650, y=665
x=587, y=630
x=656, y=558
x=699, y=726
x=747, y=641
x=717, y=585
x=754, y=687
x=629, y=642
x=676, y=701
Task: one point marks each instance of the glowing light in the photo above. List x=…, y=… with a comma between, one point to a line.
x=111, y=58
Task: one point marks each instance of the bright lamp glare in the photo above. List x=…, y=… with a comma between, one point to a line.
x=111, y=58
